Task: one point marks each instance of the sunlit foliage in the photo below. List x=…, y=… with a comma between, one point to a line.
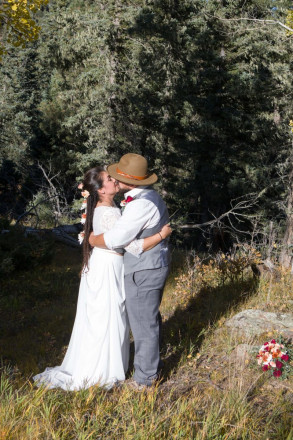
x=18, y=22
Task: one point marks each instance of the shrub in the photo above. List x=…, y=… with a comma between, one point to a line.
x=218, y=270
x=20, y=252
x=4, y=223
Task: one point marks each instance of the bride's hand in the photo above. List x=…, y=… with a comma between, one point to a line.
x=166, y=231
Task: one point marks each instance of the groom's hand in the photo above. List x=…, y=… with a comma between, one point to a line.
x=97, y=241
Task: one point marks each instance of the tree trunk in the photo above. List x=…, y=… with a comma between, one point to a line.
x=286, y=254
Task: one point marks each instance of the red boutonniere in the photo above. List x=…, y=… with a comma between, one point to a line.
x=127, y=200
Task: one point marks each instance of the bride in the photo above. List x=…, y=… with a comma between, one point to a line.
x=98, y=351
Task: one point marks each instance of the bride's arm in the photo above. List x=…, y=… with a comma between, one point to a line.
x=153, y=240
x=136, y=247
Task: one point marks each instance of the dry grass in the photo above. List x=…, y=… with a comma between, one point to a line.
x=207, y=392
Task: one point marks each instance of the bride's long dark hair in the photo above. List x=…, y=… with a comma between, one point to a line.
x=92, y=181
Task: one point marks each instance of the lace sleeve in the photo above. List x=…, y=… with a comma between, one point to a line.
x=135, y=247
x=108, y=220
x=105, y=219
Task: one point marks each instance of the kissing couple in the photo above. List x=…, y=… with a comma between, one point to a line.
x=125, y=265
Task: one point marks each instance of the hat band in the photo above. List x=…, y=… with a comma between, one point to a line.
x=130, y=176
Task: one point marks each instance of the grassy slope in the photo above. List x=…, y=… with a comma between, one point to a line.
x=206, y=393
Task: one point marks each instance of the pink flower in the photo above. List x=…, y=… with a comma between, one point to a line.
x=85, y=194
x=266, y=357
x=265, y=367
x=285, y=357
x=273, y=341
x=277, y=373
x=266, y=343
x=273, y=364
x=80, y=186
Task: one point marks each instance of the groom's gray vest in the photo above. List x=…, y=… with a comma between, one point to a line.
x=158, y=256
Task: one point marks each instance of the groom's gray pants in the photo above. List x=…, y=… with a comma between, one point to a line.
x=144, y=290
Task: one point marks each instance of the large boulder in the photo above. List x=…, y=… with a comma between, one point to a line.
x=255, y=322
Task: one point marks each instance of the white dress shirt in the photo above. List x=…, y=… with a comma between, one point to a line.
x=137, y=215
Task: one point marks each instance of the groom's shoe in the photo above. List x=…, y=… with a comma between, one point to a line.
x=133, y=385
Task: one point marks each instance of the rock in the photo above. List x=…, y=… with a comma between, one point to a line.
x=255, y=322
x=243, y=352
x=288, y=335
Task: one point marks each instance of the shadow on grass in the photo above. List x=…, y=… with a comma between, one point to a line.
x=37, y=312
x=186, y=328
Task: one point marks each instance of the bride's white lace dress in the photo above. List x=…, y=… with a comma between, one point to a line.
x=98, y=351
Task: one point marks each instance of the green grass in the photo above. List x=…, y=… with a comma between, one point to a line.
x=205, y=392
x=37, y=309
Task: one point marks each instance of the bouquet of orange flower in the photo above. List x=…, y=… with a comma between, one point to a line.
x=274, y=356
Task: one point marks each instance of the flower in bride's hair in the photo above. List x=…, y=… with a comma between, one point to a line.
x=85, y=194
x=81, y=237
x=83, y=207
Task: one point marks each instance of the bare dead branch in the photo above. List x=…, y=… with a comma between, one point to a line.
x=52, y=186
x=243, y=204
x=261, y=21
x=33, y=208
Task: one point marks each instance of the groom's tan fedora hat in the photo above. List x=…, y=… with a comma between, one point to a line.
x=132, y=169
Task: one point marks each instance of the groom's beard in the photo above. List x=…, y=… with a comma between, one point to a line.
x=122, y=190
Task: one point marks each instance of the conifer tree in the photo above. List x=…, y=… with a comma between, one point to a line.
x=202, y=89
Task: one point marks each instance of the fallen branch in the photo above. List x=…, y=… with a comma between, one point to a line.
x=60, y=233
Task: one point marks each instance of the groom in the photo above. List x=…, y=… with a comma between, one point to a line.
x=144, y=215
